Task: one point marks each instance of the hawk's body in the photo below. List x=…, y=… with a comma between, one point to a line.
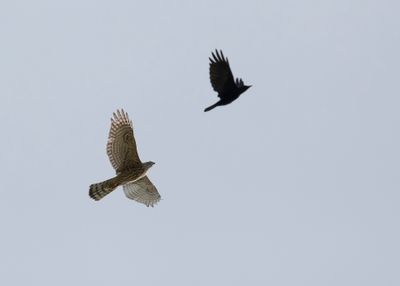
x=131, y=172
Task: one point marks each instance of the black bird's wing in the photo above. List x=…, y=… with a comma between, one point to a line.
x=221, y=76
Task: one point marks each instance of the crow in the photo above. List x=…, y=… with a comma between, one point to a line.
x=222, y=81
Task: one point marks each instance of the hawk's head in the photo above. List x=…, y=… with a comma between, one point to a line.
x=147, y=165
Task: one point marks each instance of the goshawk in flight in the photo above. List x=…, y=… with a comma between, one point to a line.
x=131, y=172
x=223, y=82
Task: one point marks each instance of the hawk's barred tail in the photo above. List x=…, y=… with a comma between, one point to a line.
x=100, y=190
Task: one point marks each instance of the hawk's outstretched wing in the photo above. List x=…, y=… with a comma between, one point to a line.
x=121, y=145
x=220, y=74
x=142, y=191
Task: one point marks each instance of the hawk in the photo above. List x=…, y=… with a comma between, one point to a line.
x=222, y=81
x=130, y=171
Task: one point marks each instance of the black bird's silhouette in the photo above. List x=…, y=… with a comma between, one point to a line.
x=222, y=81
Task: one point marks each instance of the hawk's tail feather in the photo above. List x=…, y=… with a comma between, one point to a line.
x=100, y=190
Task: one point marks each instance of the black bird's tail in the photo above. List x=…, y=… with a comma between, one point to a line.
x=212, y=107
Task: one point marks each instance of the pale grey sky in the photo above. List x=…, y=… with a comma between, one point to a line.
x=295, y=183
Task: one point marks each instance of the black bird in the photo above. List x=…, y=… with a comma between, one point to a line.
x=223, y=82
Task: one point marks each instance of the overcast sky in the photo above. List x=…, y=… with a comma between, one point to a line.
x=295, y=183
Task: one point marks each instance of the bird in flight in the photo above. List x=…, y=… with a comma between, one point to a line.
x=130, y=171
x=222, y=81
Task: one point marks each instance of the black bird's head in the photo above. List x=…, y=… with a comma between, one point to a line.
x=244, y=88
x=240, y=87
